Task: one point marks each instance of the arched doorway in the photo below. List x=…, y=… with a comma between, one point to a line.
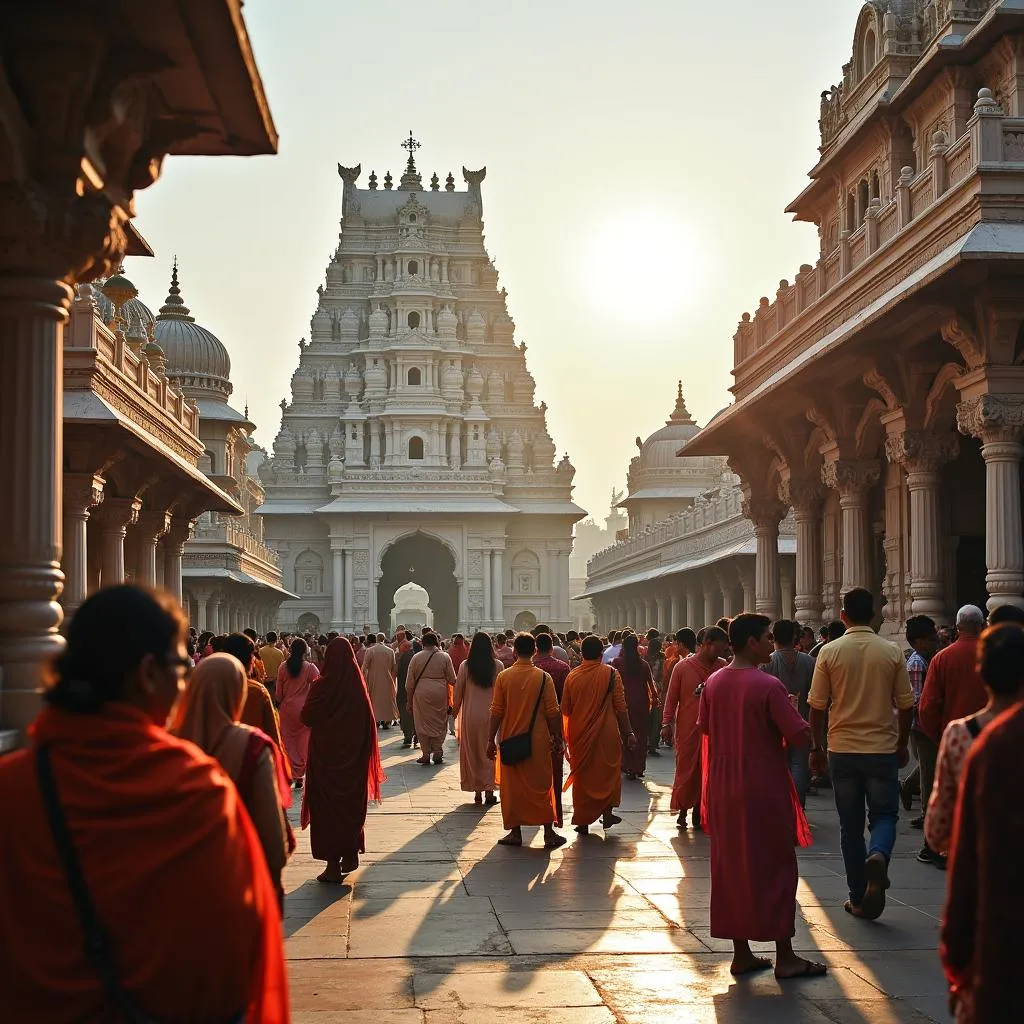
x=308, y=623
x=427, y=562
x=524, y=622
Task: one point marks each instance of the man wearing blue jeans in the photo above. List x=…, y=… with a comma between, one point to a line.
x=862, y=679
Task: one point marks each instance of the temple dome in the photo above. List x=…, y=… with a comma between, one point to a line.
x=196, y=358
x=136, y=314
x=659, y=450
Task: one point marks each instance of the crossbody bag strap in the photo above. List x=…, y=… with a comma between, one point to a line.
x=536, y=707
x=424, y=669
x=98, y=946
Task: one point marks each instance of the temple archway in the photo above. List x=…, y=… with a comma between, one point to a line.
x=427, y=562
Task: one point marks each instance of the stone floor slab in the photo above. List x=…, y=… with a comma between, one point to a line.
x=535, y=989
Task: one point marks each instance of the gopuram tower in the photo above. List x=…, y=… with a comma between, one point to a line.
x=412, y=450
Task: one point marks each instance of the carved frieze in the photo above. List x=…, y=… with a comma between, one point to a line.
x=921, y=451
x=992, y=418
x=850, y=477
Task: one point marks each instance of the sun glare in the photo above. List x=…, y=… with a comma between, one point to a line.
x=641, y=265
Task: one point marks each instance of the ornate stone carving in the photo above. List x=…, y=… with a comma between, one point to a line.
x=850, y=476
x=801, y=495
x=961, y=336
x=921, y=451
x=992, y=418
x=874, y=380
x=764, y=512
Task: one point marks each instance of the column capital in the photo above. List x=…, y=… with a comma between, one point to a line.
x=179, y=532
x=803, y=496
x=118, y=513
x=765, y=512
x=153, y=524
x=850, y=477
x=921, y=451
x=82, y=491
x=992, y=418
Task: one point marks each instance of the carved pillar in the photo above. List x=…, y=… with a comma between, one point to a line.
x=498, y=586
x=853, y=479
x=923, y=454
x=201, y=620
x=114, y=517
x=488, y=606
x=806, y=500
x=786, y=587
x=727, y=584
x=711, y=602
x=766, y=514
x=349, y=588
x=693, y=613
x=998, y=421
x=337, y=585
x=82, y=491
x=748, y=580
x=151, y=526
x=675, y=611
x=174, y=543
x=661, y=623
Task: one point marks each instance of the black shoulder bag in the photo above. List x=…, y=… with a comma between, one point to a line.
x=517, y=749
x=99, y=948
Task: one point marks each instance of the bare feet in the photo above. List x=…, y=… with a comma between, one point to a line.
x=748, y=964
x=514, y=838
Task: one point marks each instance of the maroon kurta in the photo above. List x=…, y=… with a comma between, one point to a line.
x=637, y=685
x=343, y=770
x=750, y=812
x=681, y=707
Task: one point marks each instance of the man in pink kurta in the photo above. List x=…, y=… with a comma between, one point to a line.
x=751, y=811
x=679, y=720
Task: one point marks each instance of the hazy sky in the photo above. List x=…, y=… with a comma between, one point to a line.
x=639, y=157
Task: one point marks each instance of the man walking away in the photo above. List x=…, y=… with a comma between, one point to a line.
x=923, y=639
x=864, y=676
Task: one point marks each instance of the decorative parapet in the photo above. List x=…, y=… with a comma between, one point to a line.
x=714, y=521
x=237, y=537
x=823, y=295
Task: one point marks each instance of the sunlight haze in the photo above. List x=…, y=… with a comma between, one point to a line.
x=639, y=158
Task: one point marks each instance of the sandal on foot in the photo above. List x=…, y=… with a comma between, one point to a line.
x=760, y=963
x=608, y=820
x=808, y=969
x=511, y=841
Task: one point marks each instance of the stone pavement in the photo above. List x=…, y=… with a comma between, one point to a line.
x=440, y=926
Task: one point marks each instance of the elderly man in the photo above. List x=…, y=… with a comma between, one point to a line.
x=864, y=677
x=952, y=689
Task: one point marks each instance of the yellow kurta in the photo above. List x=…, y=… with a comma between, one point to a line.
x=527, y=788
x=592, y=736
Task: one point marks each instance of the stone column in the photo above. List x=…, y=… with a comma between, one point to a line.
x=349, y=587
x=201, y=613
x=174, y=543
x=853, y=479
x=337, y=585
x=648, y=620
x=82, y=491
x=692, y=610
x=498, y=586
x=662, y=604
x=748, y=581
x=786, y=588
x=113, y=519
x=563, y=577
x=998, y=421
x=711, y=596
x=766, y=514
x=923, y=454
x=213, y=614
x=727, y=585
x=488, y=607
x=151, y=526
x=675, y=611
x=806, y=500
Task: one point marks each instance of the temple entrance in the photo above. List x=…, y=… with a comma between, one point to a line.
x=429, y=564
x=525, y=621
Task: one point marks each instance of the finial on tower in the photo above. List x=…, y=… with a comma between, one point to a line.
x=680, y=414
x=411, y=179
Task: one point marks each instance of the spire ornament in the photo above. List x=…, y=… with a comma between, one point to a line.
x=373, y=181
x=411, y=180
x=174, y=307
x=435, y=182
x=680, y=414
x=449, y=182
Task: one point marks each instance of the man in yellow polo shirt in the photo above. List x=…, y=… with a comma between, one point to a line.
x=272, y=657
x=864, y=679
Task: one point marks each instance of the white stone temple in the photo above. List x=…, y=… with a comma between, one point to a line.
x=412, y=449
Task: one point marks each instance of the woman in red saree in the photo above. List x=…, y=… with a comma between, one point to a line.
x=343, y=769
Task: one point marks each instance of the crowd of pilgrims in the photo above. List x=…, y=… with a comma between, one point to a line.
x=144, y=876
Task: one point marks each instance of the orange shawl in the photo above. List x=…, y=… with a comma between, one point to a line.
x=173, y=866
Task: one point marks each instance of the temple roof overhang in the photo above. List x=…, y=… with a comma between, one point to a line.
x=787, y=546
x=87, y=409
x=732, y=427
x=370, y=505
x=649, y=493
x=219, y=574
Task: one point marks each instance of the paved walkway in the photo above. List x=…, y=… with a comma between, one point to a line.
x=440, y=926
